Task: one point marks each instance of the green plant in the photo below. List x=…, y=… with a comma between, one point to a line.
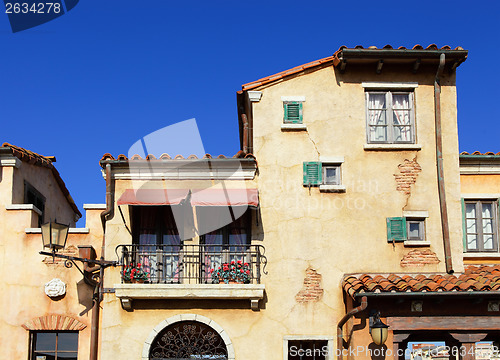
x=233, y=271
x=131, y=272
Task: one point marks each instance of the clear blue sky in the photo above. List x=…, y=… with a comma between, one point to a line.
x=109, y=72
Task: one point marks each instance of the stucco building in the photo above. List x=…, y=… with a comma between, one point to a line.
x=348, y=201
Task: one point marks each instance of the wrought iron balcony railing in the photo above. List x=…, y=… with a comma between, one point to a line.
x=189, y=264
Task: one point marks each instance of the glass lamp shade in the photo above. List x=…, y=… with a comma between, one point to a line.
x=379, y=332
x=54, y=235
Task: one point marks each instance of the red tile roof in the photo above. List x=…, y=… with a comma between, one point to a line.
x=474, y=278
x=479, y=153
x=334, y=59
x=239, y=155
x=33, y=158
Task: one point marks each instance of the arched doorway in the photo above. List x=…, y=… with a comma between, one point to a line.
x=190, y=337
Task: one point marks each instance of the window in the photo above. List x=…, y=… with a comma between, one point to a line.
x=303, y=348
x=405, y=229
x=34, y=197
x=53, y=345
x=322, y=173
x=292, y=112
x=157, y=242
x=390, y=117
x=480, y=225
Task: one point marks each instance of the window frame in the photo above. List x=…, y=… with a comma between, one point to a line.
x=38, y=201
x=338, y=176
x=389, y=110
x=286, y=109
x=421, y=228
x=478, y=204
x=328, y=339
x=33, y=338
x=398, y=230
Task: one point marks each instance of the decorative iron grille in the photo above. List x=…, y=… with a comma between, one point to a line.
x=188, y=340
x=189, y=264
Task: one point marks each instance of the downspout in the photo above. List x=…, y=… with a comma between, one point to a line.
x=340, y=339
x=105, y=216
x=244, y=119
x=440, y=168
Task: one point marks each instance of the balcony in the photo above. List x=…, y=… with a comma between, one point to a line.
x=187, y=272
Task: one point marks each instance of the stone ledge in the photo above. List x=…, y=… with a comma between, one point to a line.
x=392, y=147
x=70, y=231
x=293, y=127
x=23, y=207
x=128, y=292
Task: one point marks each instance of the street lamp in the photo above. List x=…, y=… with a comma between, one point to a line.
x=54, y=235
x=378, y=330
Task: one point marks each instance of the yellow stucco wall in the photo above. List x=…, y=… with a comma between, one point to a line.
x=25, y=274
x=332, y=233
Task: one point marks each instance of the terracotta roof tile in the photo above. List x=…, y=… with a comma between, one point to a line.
x=239, y=155
x=474, y=278
x=480, y=153
x=330, y=59
x=33, y=158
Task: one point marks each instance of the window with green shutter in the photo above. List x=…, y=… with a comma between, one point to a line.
x=396, y=229
x=292, y=112
x=312, y=173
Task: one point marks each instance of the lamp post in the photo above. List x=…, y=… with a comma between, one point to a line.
x=378, y=330
x=54, y=236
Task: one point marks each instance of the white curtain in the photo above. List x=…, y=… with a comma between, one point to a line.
x=401, y=117
x=377, y=117
x=487, y=216
x=470, y=224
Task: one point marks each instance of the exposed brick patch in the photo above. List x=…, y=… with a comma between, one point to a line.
x=311, y=291
x=409, y=170
x=54, y=322
x=71, y=250
x=419, y=258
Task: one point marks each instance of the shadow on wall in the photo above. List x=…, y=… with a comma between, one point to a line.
x=85, y=293
x=377, y=352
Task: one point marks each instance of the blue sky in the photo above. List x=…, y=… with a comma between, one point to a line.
x=109, y=72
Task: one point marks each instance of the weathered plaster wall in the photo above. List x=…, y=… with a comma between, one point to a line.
x=25, y=274
x=42, y=179
x=303, y=229
x=480, y=184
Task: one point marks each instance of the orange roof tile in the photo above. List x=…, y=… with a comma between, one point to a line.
x=480, y=153
x=334, y=60
x=33, y=158
x=239, y=155
x=474, y=278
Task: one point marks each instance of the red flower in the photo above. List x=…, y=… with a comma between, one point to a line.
x=211, y=270
x=248, y=272
x=246, y=264
x=241, y=270
x=139, y=265
x=232, y=262
x=239, y=262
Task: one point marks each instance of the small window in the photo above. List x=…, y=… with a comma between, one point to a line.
x=403, y=229
x=292, y=112
x=308, y=350
x=54, y=345
x=317, y=173
x=390, y=117
x=34, y=197
x=480, y=225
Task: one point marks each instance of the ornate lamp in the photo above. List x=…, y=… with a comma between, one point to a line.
x=54, y=235
x=378, y=330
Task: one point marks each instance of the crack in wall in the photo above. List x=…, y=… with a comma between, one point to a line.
x=314, y=143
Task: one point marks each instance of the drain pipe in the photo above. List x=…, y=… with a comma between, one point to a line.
x=245, y=133
x=440, y=168
x=340, y=339
x=105, y=216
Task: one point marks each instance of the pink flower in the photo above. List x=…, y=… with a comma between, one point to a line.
x=211, y=270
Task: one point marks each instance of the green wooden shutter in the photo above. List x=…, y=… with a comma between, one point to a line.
x=312, y=173
x=396, y=229
x=293, y=112
x=464, y=226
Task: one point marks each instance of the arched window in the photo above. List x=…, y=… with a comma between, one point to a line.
x=188, y=340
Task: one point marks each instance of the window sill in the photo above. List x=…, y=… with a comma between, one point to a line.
x=489, y=255
x=293, y=127
x=23, y=207
x=392, y=147
x=128, y=292
x=412, y=243
x=332, y=188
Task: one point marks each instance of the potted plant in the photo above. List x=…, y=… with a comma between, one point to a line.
x=233, y=272
x=134, y=274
